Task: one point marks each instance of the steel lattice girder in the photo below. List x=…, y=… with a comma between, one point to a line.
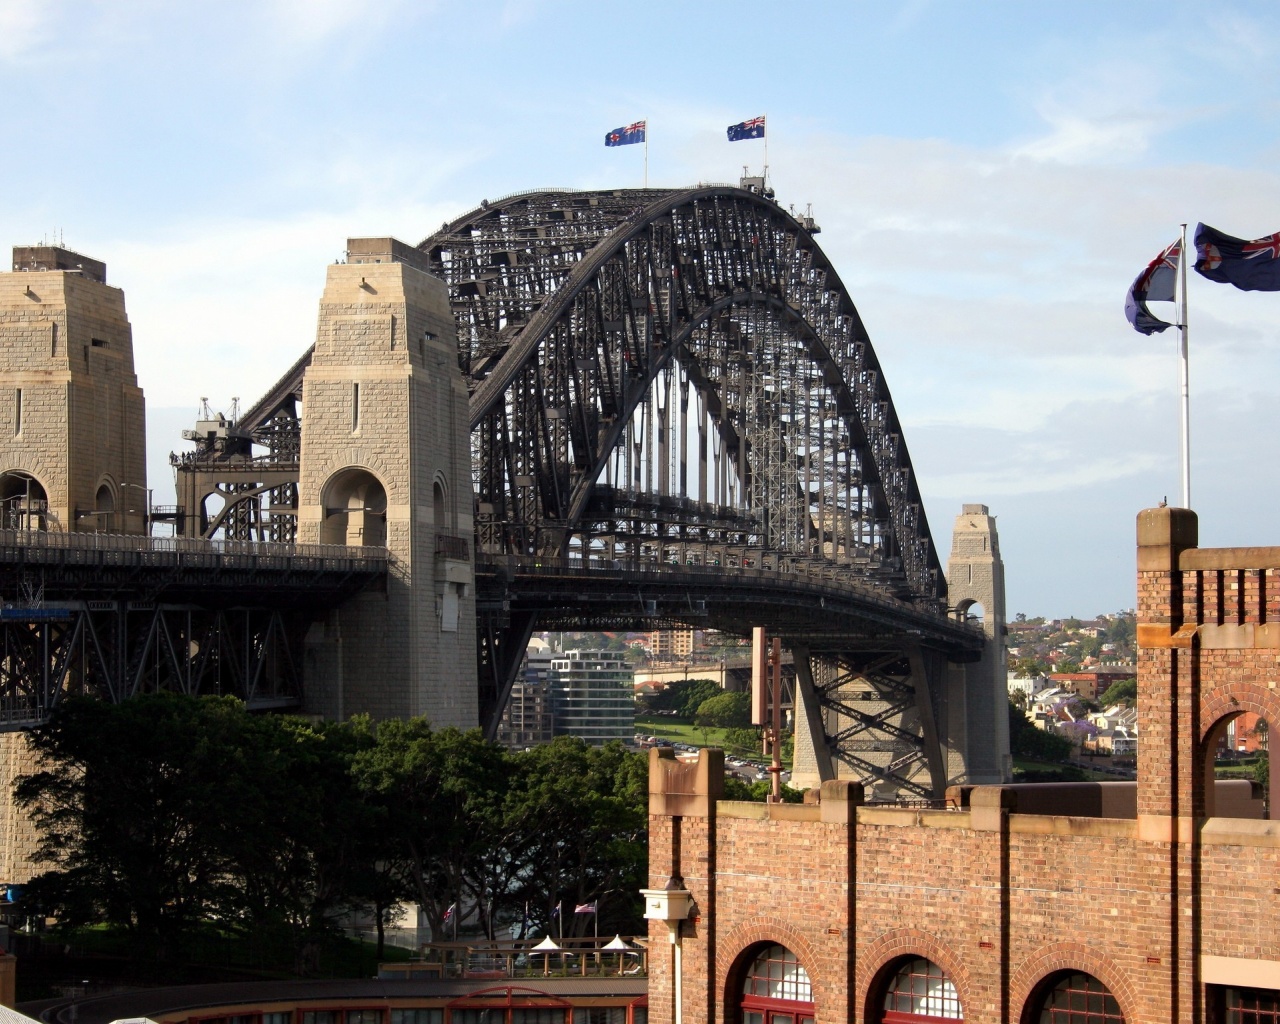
x=114, y=650
x=572, y=309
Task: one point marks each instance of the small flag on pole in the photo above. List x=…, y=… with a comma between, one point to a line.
x=448, y=914
x=753, y=129
x=585, y=908
x=627, y=136
x=1158, y=282
x=1250, y=266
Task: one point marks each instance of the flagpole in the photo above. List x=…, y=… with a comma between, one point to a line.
x=1184, y=375
x=646, y=152
x=766, y=150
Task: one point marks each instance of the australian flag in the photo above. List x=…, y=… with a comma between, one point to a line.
x=1157, y=282
x=1250, y=266
x=753, y=129
x=627, y=136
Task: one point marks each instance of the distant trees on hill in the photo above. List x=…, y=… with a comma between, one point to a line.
x=163, y=814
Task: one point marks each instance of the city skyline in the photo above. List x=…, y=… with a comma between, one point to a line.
x=989, y=182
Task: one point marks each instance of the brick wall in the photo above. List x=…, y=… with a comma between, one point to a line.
x=1158, y=906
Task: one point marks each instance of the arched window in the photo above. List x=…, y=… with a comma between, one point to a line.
x=438, y=506
x=104, y=509
x=1240, y=740
x=23, y=503
x=776, y=989
x=919, y=991
x=355, y=510
x=1073, y=997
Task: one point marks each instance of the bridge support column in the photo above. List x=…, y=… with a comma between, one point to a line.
x=812, y=763
x=386, y=462
x=980, y=690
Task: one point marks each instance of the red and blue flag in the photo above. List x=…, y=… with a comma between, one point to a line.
x=753, y=129
x=1158, y=282
x=1250, y=266
x=626, y=136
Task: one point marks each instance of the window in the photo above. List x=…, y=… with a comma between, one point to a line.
x=319, y=1017
x=1073, y=997
x=99, y=343
x=600, y=1015
x=776, y=989
x=495, y=1015
x=414, y=1017
x=277, y=1018
x=1253, y=1006
x=920, y=990
x=538, y=1015
x=355, y=407
x=17, y=410
x=364, y=1017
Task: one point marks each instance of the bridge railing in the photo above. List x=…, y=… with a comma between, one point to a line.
x=124, y=549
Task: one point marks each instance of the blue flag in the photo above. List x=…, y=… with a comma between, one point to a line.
x=1158, y=282
x=627, y=136
x=1250, y=266
x=753, y=129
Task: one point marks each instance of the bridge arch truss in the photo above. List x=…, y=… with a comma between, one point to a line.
x=695, y=347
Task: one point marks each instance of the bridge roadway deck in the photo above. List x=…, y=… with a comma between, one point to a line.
x=819, y=607
x=36, y=565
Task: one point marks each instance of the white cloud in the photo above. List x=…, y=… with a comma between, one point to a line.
x=24, y=28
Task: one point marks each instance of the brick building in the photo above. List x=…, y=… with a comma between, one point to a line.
x=1140, y=902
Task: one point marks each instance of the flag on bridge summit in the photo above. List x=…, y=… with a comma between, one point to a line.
x=1250, y=266
x=627, y=136
x=1158, y=282
x=585, y=908
x=753, y=129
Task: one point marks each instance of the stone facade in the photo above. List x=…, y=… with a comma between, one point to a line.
x=386, y=461
x=72, y=420
x=977, y=707
x=1010, y=889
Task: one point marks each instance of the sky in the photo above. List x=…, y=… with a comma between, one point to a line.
x=989, y=178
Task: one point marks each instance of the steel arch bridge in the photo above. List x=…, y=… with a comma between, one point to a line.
x=676, y=415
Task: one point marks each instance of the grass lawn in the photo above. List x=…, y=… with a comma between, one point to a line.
x=681, y=730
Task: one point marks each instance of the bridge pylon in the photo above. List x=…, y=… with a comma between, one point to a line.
x=979, y=703
x=72, y=421
x=901, y=716
x=386, y=461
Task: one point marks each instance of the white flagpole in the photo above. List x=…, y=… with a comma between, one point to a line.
x=766, y=150
x=646, y=152
x=1184, y=376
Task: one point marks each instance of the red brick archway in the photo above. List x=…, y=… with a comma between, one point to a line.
x=1227, y=700
x=739, y=941
x=875, y=960
x=1069, y=956
x=1217, y=707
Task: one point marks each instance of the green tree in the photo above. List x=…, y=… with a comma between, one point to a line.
x=439, y=794
x=684, y=696
x=144, y=809
x=1123, y=691
x=724, y=711
x=1025, y=740
x=584, y=815
x=746, y=740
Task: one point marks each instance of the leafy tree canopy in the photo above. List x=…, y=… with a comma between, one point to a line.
x=1125, y=691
